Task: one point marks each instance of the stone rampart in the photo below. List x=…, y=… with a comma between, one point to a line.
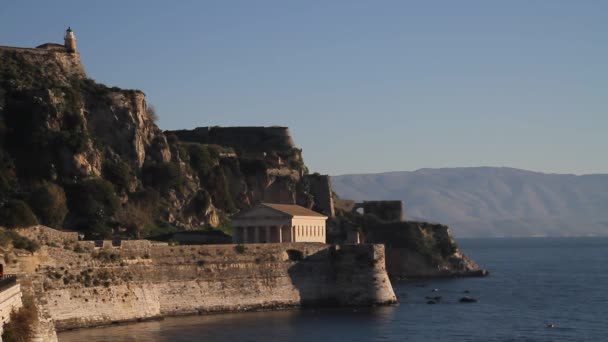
x=47, y=235
x=389, y=211
x=320, y=189
x=122, y=285
x=243, y=139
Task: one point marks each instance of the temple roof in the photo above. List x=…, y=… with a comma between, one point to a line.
x=292, y=209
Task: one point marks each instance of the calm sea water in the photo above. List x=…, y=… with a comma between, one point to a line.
x=533, y=281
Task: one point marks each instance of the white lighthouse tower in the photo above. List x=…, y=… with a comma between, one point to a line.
x=70, y=40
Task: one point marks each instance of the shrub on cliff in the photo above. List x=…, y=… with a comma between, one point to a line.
x=16, y=213
x=20, y=328
x=18, y=241
x=151, y=111
x=92, y=195
x=163, y=176
x=48, y=201
x=203, y=158
x=134, y=218
x=92, y=205
x=117, y=172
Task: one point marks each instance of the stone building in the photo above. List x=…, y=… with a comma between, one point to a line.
x=69, y=44
x=70, y=40
x=274, y=223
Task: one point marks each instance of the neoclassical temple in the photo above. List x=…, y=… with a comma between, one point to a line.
x=274, y=223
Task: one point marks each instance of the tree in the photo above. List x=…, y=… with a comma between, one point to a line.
x=16, y=213
x=48, y=201
x=151, y=110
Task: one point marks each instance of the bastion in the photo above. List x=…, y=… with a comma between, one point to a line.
x=80, y=285
x=243, y=139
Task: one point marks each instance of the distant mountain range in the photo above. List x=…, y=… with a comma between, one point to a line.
x=491, y=201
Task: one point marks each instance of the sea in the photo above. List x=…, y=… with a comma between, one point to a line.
x=539, y=289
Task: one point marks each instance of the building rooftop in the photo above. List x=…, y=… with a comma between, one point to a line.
x=292, y=209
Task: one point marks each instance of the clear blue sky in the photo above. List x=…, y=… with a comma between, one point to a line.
x=366, y=86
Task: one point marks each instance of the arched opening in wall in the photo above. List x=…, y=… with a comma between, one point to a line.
x=293, y=255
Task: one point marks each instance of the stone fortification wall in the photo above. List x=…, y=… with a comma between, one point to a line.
x=389, y=211
x=320, y=189
x=244, y=139
x=10, y=299
x=46, y=235
x=143, y=281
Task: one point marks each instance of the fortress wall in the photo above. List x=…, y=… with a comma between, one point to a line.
x=390, y=211
x=245, y=139
x=179, y=280
x=320, y=188
x=46, y=235
x=10, y=299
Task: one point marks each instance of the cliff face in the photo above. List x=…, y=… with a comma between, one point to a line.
x=80, y=155
x=421, y=250
x=413, y=249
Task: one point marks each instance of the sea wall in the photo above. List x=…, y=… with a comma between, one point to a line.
x=125, y=284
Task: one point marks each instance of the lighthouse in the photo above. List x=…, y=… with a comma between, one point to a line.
x=70, y=40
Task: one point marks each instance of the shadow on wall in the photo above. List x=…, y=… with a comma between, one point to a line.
x=339, y=276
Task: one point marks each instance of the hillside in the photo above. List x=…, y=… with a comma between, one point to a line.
x=80, y=155
x=489, y=201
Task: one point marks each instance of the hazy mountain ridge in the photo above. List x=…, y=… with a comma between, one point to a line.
x=491, y=201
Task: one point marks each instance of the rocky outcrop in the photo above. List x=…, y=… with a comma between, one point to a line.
x=421, y=250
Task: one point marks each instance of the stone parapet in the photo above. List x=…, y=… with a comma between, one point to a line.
x=144, y=281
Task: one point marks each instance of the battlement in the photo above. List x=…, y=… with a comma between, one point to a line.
x=243, y=139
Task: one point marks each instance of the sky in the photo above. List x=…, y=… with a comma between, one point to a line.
x=365, y=86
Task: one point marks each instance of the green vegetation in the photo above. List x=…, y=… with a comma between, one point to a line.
x=49, y=125
x=135, y=218
x=203, y=158
x=48, y=201
x=107, y=256
x=11, y=237
x=20, y=328
x=16, y=213
x=92, y=203
x=163, y=176
x=118, y=173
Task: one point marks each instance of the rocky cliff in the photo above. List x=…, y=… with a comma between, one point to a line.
x=78, y=154
x=421, y=250
x=413, y=249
